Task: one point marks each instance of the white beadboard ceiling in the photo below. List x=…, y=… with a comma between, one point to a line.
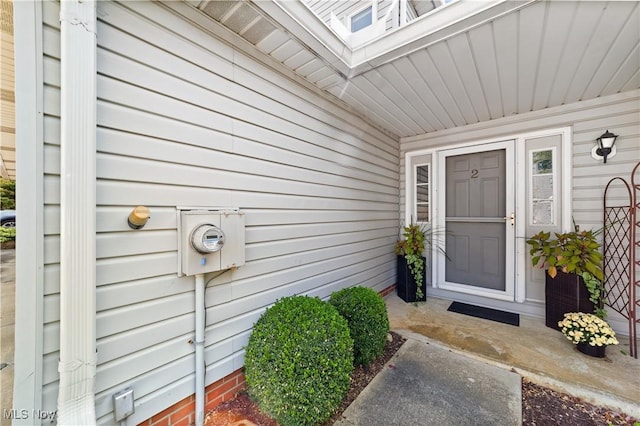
x=509, y=58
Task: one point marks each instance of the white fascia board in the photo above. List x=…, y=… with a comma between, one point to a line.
x=430, y=28
x=438, y=25
x=307, y=28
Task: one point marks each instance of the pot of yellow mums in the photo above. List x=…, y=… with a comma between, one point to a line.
x=588, y=332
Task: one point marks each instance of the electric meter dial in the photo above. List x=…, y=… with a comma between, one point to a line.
x=207, y=238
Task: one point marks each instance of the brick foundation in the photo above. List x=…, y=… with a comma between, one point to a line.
x=388, y=290
x=183, y=412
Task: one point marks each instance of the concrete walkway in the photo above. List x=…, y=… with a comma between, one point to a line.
x=532, y=350
x=456, y=369
x=427, y=384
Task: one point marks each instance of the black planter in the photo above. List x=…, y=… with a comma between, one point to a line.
x=406, y=285
x=565, y=293
x=594, y=351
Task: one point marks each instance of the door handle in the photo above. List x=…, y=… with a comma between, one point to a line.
x=512, y=218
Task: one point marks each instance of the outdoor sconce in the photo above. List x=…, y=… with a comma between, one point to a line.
x=605, y=146
x=138, y=217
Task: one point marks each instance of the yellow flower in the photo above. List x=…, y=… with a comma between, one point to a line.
x=582, y=327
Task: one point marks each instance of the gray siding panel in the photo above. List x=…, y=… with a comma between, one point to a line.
x=51, y=171
x=186, y=119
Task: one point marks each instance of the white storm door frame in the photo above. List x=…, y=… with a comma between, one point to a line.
x=437, y=193
x=510, y=207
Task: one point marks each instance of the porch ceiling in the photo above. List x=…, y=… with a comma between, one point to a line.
x=515, y=57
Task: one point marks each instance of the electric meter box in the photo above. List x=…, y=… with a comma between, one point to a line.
x=210, y=240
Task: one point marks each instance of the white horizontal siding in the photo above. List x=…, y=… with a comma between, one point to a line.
x=51, y=105
x=185, y=119
x=274, y=82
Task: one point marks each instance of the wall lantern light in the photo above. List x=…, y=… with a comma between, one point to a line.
x=605, y=146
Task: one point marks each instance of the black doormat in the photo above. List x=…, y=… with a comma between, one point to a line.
x=485, y=313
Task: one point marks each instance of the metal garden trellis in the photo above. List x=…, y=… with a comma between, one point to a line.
x=621, y=250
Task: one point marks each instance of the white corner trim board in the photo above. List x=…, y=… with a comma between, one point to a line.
x=77, y=366
x=29, y=195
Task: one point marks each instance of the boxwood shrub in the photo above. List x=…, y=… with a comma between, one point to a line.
x=298, y=361
x=365, y=311
x=7, y=234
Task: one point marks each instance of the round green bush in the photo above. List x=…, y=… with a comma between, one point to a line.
x=7, y=234
x=365, y=311
x=298, y=361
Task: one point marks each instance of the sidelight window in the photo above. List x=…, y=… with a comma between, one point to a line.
x=422, y=194
x=543, y=203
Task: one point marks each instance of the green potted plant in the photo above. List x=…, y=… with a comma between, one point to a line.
x=411, y=283
x=574, y=272
x=412, y=263
x=590, y=333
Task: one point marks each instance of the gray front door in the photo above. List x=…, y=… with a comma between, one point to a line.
x=478, y=205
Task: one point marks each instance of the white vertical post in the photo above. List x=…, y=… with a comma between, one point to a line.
x=77, y=212
x=27, y=386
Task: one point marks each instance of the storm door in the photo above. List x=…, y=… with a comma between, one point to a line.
x=479, y=219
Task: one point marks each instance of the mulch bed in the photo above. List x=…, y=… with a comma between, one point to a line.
x=541, y=406
x=361, y=376
x=7, y=245
x=544, y=406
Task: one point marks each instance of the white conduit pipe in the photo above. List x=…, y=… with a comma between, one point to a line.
x=199, y=348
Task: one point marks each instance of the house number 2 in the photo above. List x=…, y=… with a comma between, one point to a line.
x=474, y=173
